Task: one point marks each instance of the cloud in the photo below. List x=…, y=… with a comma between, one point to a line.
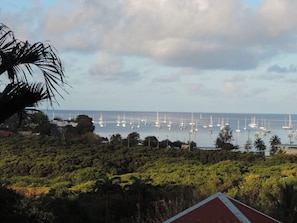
x=111, y=68
x=164, y=79
x=236, y=87
x=236, y=78
x=196, y=88
x=278, y=69
x=203, y=34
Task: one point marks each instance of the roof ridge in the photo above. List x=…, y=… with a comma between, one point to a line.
x=253, y=209
x=237, y=213
x=223, y=198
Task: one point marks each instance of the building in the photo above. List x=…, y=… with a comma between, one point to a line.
x=5, y=133
x=287, y=148
x=221, y=208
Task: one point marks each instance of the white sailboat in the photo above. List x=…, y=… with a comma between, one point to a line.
x=124, y=121
x=222, y=124
x=196, y=128
x=238, y=129
x=182, y=124
x=253, y=123
x=169, y=125
x=101, y=122
x=157, y=123
x=192, y=124
x=289, y=126
x=244, y=123
x=164, y=120
x=265, y=128
x=219, y=124
x=227, y=122
x=131, y=123
x=144, y=120
x=262, y=127
x=118, y=121
x=211, y=123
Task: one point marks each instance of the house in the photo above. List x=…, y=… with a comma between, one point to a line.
x=185, y=147
x=5, y=133
x=221, y=208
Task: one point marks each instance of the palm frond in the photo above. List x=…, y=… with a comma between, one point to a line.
x=18, y=59
x=16, y=97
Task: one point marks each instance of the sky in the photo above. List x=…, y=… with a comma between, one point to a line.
x=231, y=56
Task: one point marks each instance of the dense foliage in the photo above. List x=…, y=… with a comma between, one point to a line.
x=46, y=179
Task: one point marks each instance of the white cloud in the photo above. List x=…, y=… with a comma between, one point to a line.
x=196, y=33
x=200, y=44
x=111, y=68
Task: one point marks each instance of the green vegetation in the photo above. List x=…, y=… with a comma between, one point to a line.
x=48, y=179
x=66, y=173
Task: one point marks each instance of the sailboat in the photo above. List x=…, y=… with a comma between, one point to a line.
x=237, y=130
x=289, y=126
x=101, y=122
x=253, y=123
x=222, y=126
x=182, y=124
x=118, y=121
x=144, y=120
x=211, y=123
x=265, y=128
x=169, y=125
x=244, y=123
x=157, y=123
x=164, y=120
x=124, y=121
x=131, y=123
x=219, y=124
x=196, y=128
x=192, y=124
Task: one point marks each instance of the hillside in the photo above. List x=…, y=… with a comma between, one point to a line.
x=138, y=184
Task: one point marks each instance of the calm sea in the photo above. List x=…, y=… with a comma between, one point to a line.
x=202, y=128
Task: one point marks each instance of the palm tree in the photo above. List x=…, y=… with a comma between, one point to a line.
x=248, y=145
x=116, y=141
x=274, y=140
x=260, y=145
x=141, y=188
x=285, y=202
x=108, y=187
x=224, y=139
x=18, y=60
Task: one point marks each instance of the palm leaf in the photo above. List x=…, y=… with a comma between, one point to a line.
x=16, y=97
x=18, y=59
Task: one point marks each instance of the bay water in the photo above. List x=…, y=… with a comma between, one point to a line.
x=202, y=128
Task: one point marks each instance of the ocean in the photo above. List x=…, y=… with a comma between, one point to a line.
x=202, y=128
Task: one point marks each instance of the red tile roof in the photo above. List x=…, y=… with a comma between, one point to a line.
x=220, y=208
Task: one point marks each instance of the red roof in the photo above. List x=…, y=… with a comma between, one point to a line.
x=220, y=208
x=4, y=133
